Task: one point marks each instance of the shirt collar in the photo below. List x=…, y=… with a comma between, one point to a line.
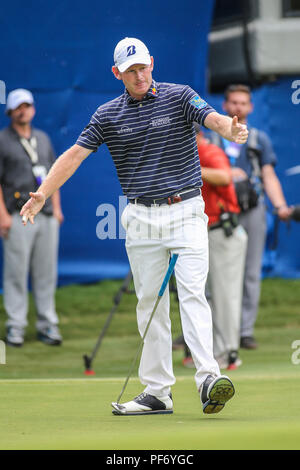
x=151, y=93
x=15, y=133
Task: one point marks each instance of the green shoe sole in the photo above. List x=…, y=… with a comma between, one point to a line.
x=219, y=394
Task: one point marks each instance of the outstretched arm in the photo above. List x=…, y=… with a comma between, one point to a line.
x=228, y=128
x=60, y=172
x=275, y=193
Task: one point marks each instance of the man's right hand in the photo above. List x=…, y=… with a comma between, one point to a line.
x=5, y=224
x=238, y=174
x=32, y=207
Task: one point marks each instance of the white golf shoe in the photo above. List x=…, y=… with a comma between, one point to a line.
x=144, y=404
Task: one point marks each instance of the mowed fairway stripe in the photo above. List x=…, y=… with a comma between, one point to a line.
x=238, y=377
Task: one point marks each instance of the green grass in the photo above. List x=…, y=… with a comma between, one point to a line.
x=76, y=415
x=55, y=406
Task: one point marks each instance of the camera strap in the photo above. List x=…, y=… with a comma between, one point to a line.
x=39, y=171
x=253, y=152
x=30, y=147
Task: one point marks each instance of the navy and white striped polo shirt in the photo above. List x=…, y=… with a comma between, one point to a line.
x=152, y=141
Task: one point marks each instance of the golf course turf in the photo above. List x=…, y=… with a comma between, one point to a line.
x=47, y=402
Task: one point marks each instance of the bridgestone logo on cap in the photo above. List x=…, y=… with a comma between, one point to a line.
x=131, y=50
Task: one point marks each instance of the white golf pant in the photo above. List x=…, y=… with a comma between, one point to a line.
x=225, y=281
x=31, y=249
x=152, y=234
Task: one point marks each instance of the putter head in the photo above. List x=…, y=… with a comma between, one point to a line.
x=118, y=409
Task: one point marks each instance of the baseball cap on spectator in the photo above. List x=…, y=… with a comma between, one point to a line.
x=17, y=97
x=131, y=51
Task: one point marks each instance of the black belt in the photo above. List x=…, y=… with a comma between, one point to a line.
x=181, y=196
x=219, y=225
x=214, y=226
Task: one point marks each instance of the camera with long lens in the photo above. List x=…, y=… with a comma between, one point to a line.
x=296, y=213
x=229, y=221
x=225, y=220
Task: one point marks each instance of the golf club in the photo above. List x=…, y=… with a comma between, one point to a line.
x=160, y=294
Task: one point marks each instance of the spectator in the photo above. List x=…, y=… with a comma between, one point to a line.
x=26, y=155
x=227, y=252
x=253, y=163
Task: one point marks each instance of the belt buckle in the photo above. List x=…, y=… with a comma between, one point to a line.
x=174, y=199
x=177, y=198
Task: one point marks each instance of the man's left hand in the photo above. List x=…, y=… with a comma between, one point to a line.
x=57, y=213
x=239, y=132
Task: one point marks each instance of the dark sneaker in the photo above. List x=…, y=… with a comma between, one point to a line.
x=248, y=342
x=229, y=361
x=233, y=360
x=14, y=337
x=50, y=336
x=215, y=392
x=145, y=404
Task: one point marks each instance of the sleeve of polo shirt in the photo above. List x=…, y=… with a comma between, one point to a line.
x=194, y=107
x=92, y=135
x=267, y=156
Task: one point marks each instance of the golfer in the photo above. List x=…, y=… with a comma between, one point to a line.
x=150, y=134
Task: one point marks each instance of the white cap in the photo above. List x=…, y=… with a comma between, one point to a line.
x=131, y=51
x=17, y=97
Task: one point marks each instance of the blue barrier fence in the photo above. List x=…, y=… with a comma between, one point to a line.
x=64, y=56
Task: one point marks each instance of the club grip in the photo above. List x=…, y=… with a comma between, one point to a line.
x=168, y=275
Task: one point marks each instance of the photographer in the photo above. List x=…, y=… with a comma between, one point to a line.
x=26, y=155
x=252, y=165
x=227, y=251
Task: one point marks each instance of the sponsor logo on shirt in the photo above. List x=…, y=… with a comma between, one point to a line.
x=160, y=122
x=198, y=102
x=124, y=130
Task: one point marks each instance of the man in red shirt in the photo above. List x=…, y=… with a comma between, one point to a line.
x=227, y=251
